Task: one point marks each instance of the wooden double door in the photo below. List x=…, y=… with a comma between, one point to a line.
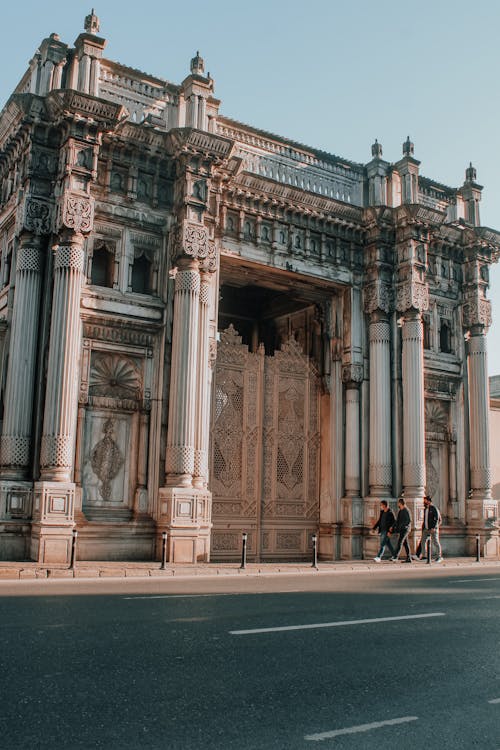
x=265, y=451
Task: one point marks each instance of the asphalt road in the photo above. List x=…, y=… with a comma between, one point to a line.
x=141, y=664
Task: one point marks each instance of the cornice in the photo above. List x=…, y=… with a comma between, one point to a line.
x=297, y=199
x=70, y=104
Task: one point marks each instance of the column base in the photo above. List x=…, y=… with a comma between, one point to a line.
x=53, y=522
x=185, y=514
x=16, y=499
x=482, y=520
x=351, y=540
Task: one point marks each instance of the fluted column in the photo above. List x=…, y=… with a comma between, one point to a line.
x=184, y=370
x=413, y=405
x=352, y=441
x=15, y=444
x=380, y=462
x=61, y=399
x=480, y=470
x=200, y=478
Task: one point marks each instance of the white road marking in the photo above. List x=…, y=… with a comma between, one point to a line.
x=361, y=728
x=474, y=580
x=495, y=700
x=337, y=624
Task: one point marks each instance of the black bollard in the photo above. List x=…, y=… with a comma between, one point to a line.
x=315, y=551
x=73, y=550
x=478, y=548
x=163, y=550
x=244, y=550
x=429, y=551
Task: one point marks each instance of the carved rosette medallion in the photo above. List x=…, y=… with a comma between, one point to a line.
x=78, y=213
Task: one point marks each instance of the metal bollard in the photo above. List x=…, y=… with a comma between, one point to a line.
x=478, y=548
x=244, y=550
x=315, y=551
x=429, y=551
x=73, y=550
x=163, y=550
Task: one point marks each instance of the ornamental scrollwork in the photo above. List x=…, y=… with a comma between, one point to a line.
x=352, y=374
x=377, y=296
x=412, y=295
x=78, y=213
x=476, y=311
x=37, y=216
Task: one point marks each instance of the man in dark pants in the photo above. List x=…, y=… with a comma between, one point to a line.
x=403, y=528
x=430, y=528
x=384, y=524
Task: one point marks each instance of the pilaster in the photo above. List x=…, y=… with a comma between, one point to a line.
x=15, y=443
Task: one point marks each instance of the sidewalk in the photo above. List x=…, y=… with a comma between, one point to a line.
x=31, y=570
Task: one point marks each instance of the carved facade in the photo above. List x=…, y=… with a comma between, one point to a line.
x=207, y=329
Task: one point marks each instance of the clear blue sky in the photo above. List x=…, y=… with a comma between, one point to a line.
x=331, y=74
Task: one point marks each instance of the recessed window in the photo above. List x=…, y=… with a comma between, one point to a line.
x=141, y=275
x=445, y=337
x=103, y=266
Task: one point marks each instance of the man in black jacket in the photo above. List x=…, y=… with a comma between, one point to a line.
x=403, y=528
x=384, y=524
x=430, y=527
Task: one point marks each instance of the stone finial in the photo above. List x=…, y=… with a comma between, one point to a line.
x=408, y=147
x=197, y=65
x=91, y=24
x=377, y=150
x=470, y=174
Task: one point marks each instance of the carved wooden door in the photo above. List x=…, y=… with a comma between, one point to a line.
x=264, y=473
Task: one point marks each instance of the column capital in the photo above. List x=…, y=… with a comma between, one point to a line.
x=476, y=310
x=412, y=295
x=352, y=375
x=377, y=296
x=191, y=240
x=75, y=212
x=34, y=216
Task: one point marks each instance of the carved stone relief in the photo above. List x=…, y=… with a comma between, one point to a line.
x=108, y=456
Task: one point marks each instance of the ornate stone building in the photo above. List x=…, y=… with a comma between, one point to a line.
x=206, y=328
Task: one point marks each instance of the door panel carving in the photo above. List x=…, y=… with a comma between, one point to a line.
x=265, y=450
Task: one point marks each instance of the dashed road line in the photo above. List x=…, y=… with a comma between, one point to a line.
x=320, y=736
x=336, y=624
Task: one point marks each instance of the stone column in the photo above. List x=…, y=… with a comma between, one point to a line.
x=380, y=460
x=183, y=376
x=413, y=406
x=185, y=503
x=200, y=478
x=480, y=470
x=54, y=494
x=15, y=444
x=352, y=442
x=352, y=506
x=481, y=510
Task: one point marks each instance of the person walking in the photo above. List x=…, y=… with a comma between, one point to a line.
x=384, y=525
x=402, y=527
x=430, y=528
